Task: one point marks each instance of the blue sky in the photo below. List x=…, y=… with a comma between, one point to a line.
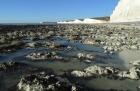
x=34, y=11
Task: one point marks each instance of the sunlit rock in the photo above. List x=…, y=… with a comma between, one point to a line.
x=84, y=55
x=135, y=63
x=90, y=41
x=47, y=83
x=132, y=73
x=94, y=70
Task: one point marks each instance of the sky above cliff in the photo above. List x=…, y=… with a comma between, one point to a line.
x=34, y=11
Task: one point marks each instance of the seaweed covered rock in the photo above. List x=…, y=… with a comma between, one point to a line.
x=94, y=70
x=47, y=83
x=133, y=73
x=84, y=55
x=9, y=65
x=90, y=41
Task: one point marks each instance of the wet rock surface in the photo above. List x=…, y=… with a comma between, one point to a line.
x=50, y=83
x=9, y=66
x=95, y=71
x=111, y=35
x=65, y=43
x=47, y=83
x=49, y=56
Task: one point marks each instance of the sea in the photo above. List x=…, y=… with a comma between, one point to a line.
x=45, y=23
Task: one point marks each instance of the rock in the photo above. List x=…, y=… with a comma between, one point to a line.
x=84, y=55
x=77, y=73
x=47, y=83
x=111, y=48
x=133, y=47
x=132, y=73
x=9, y=65
x=126, y=11
x=73, y=88
x=40, y=56
x=31, y=44
x=90, y=41
x=88, y=61
x=94, y=70
x=135, y=63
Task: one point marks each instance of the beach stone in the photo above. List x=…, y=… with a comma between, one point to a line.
x=84, y=55
x=132, y=73
x=90, y=41
x=133, y=47
x=47, y=83
x=94, y=70
x=135, y=63
x=9, y=65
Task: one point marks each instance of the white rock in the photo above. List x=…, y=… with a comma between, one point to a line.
x=94, y=70
x=79, y=73
x=133, y=47
x=132, y=73
x=88, y=61
x=90, y=41
x=83, y=55
x=73, y=88
x=136, y=63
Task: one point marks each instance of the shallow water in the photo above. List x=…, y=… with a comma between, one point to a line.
x=117, y=60
x=129, y=55
x=105, y=83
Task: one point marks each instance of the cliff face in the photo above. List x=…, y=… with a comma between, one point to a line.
x=126, y=11
x=88, y=20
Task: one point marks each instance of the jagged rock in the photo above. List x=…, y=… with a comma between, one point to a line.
x=126, y=11
x=47, y=83
x=94, y=70
x=84, y=55
x=133, y=47
x=39, y=56
x=90, y=41
x=132, y=73
x=77, y=73
x=9, y=65
x=47, y=55
x=88, y=61
x=135, y=63
x=31, y=44
x=111, y=49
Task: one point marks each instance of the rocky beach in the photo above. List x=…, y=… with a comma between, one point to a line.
x=70, y=57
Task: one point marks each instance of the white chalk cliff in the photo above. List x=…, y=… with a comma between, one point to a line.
x=126, y=11
x=88, y=20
